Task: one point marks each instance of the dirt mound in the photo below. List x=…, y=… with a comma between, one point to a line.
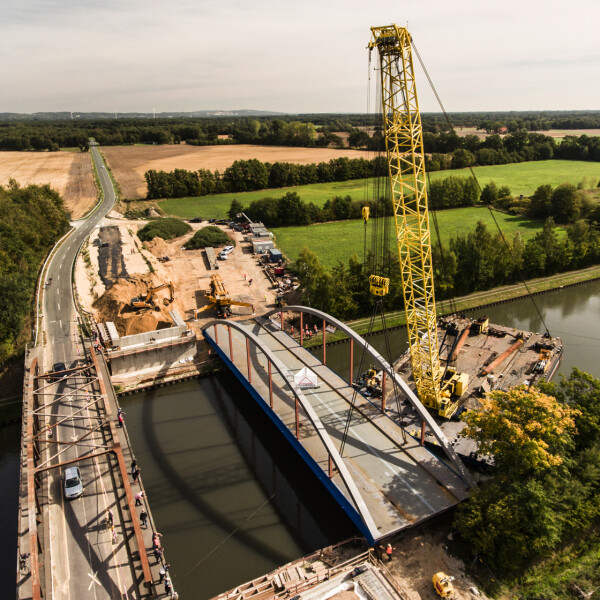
x=115, y=305
x=157, y=246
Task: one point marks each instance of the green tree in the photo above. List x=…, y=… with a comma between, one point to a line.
x=540, y=207
x=235, y=208
x=489, y=194
x=522, y=513
x=566, y=203
x=315, y=281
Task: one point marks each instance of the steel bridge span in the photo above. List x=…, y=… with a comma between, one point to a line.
x=385, y=480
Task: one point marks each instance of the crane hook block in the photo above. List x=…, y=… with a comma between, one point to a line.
x=379, y=286
x=365, y=213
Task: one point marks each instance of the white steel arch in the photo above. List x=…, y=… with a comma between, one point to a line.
x=388, y=369
x=359, y=503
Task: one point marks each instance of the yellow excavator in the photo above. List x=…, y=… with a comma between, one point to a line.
x=149, y=300
x=406, y=164
x=218, y=298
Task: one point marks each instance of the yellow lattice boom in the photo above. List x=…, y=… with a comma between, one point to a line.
x=406, y=160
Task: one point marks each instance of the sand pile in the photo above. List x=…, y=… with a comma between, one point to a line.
x=114, y=305
x=157, y=246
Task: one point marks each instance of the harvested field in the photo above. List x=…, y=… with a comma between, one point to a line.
x=129, y=163
x=555, y=133
x=69, y=173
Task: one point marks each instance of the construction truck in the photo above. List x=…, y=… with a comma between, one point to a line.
x=219, y=299
x=443, y=584
x=149, y=301
x=403, y=136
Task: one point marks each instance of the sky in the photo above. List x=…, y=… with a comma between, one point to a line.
x=296, y=57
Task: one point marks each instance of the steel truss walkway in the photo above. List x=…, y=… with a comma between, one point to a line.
x=382, y=482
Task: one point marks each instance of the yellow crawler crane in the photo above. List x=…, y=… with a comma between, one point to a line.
x=406, y=161
x=219, y=299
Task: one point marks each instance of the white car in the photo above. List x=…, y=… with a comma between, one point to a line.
x=225, y=252
x=73, y=485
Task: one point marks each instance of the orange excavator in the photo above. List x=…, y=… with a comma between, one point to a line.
x=218, y=298
x=149, y=300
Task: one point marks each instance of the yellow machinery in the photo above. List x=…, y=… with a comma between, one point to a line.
x=218, y=298
x=406, y=161
x=148, y=301
x=443, y=585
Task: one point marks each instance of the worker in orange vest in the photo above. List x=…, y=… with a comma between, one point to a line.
x=388, y=551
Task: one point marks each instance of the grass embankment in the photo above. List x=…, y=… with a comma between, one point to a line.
x=553, y=578
x=341, y=239
x=521, y=178
x=501, y=294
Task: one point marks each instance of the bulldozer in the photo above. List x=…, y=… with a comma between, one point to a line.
x=218, y=298
x=149, y=300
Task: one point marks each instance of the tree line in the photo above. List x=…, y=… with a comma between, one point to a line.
x=476, y=261
x=450, y=151
x=18, y=132
x=32, y=219
x=248, y=175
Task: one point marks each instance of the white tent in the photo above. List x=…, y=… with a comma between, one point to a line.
x=305, y=378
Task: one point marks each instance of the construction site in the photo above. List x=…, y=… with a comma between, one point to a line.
x=151, y=299
x=384, y=440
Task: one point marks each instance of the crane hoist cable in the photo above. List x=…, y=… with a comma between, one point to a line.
x=376, y=261
x=489, y=206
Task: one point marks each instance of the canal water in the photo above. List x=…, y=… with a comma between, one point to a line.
x=230, y=497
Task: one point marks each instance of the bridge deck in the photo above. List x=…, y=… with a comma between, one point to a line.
x=400, y=482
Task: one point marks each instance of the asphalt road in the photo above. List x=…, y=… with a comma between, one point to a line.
x=85, y=563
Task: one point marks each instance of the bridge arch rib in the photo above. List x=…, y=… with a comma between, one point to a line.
x=389, y=370
x=358, y=511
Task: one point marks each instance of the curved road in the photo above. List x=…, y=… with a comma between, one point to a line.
x=84, y=562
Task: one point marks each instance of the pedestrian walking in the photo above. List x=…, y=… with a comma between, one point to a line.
x=138, y=498
x=168, y=585
x=109, y=518
x=135, y=474
x=161, y=573
x=388, y=551
x=144, y=518
x=265, y=297
x=244, y=276
x=316, y=328
x=158, y=554
x=121, y=421
x=292, y=330
x=133, y=464
x=250, y=282
x=49, y=431
x=113, y=535
x=156, y=539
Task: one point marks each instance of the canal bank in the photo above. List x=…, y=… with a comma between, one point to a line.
x=473, y=302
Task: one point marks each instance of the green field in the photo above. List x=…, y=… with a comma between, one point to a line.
x=339, y=240
x=521, y=178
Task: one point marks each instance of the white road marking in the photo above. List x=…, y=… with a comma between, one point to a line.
x=93, y=581
x=376, y=454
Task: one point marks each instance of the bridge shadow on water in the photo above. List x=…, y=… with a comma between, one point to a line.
x=230, y=495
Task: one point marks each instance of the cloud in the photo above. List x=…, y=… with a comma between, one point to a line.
x=295, y=57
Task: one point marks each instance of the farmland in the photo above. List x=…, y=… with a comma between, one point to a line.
x=129, y=163
x=69, y=173
x=340, y=240
x=521, y=178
